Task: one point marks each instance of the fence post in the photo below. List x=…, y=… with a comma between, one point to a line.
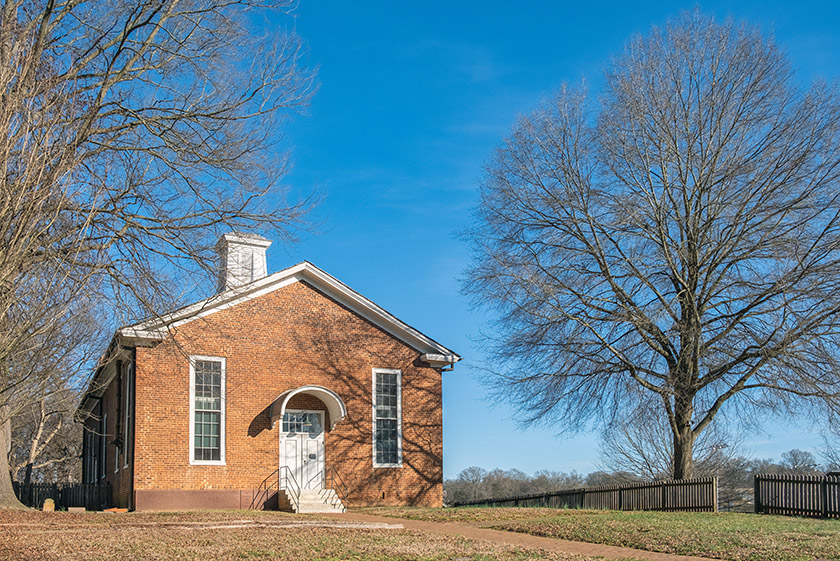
x=824, y=495
x=715, y=492
x=662, y=497
x=756, y=495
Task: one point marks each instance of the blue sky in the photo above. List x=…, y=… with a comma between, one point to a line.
x=413, y=98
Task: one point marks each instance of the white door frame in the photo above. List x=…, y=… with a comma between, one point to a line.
x=305, y=447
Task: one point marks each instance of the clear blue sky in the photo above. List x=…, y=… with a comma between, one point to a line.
x=413, y=98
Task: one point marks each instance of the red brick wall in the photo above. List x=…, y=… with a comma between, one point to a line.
x=288, y=338
x=310, y=403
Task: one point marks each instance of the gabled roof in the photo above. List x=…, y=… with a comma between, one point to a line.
x=157, y=329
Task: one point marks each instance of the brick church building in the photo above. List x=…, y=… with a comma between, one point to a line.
x=287, y=391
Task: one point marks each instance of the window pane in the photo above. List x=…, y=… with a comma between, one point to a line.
x=386, y=427
x=315, y=423
x=208, y=409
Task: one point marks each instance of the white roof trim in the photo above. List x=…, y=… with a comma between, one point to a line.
x=158, y=328
x=439, y=360
x=335, y=405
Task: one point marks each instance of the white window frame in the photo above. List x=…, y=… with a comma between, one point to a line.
x=319, y=413
x=222, y=425
x=129, y=386
x=376, y=371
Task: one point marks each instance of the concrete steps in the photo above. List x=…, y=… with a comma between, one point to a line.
x=313, y=501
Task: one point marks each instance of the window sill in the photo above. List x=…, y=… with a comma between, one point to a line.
x=207, y=463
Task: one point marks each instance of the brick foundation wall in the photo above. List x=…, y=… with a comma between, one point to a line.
x=208, y=499
x=291, y=337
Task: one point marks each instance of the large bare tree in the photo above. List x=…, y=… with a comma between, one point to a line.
x=132, y=133
x=673, y=245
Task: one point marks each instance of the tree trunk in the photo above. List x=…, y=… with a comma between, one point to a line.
x=27, y=479
x=8, y=500
x=684, y=453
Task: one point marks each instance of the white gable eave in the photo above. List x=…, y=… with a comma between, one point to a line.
x=157, y=329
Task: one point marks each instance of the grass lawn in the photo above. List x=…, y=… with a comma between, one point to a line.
x=462, y=514
x=209, y=535
x=739, y=537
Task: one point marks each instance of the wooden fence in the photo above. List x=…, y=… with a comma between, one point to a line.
x=798, y=495
x=91, y=496
x=696, y=495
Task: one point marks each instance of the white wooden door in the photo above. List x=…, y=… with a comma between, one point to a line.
x=302, y=447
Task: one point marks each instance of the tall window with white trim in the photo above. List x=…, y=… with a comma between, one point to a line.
x=207, y=410
x=387, y=418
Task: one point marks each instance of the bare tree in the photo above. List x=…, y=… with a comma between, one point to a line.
x=799, y=461
x=549, y=481
x=51, y=339
x=673, y=245
x=51, y=370
x=643, y=446
x=46, y=442
x=133, y=133
x=467, y=486
x=830, y=451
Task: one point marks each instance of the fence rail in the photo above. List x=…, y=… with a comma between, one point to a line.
x=695, y=495
x=815, y=496
x=89, y=495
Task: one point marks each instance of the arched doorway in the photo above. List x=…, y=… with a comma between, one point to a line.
x=302, y=442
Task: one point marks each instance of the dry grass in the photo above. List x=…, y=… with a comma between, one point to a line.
x=461, y=514
x=208, y=535
x=732, y=536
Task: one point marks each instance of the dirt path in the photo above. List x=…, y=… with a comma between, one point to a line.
x=474, y=531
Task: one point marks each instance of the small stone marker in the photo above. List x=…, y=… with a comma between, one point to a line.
x=49, y=505
x=75, y=509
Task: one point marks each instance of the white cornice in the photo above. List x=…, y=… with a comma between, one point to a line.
x=157, y=329
x=439, y=360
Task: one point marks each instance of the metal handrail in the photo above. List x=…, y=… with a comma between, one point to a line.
x=320, y=475
x=263, y=489
x=343, y=492
x=286, y=481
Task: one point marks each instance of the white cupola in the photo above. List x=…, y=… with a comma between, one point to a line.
x=241, y=259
